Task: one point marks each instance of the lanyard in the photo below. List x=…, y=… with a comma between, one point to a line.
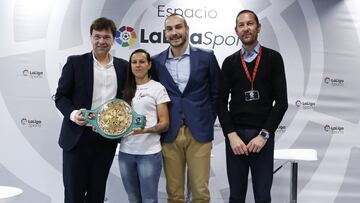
x=255, y=68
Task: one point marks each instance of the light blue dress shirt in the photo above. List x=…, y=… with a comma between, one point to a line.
x=248, y=57
x=179, y=68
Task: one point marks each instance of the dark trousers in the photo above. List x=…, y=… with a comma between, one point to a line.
x=86, y=168
x=260, y=164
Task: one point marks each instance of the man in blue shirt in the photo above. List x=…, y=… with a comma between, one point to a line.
x=191, y=77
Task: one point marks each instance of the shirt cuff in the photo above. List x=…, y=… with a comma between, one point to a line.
x=72, y=115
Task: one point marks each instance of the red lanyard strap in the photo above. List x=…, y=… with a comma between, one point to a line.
x=255, y=68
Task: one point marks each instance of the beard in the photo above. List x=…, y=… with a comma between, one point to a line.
x=181, y=43
x=249, y=40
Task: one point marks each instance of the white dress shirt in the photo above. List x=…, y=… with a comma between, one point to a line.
x=105, y=83
x=104, y=86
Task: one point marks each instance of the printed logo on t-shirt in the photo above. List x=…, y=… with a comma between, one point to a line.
x=141, y=95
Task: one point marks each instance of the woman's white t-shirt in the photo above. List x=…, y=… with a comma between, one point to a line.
x=147, y=96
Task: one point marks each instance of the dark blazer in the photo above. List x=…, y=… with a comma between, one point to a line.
x=197, y=103
x=75, y=91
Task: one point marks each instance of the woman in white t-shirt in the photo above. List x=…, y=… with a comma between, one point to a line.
x=140, y=157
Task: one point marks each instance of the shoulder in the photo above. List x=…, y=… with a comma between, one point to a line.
x=230, y=62
x=236, y=54
x=76, y=61
x=273, y=58
x=201, y=50
x=160, y=55
x=157, y=88
x=120, y=61
x=156, y=85
x=86, y=56
x=232, y=57
x=270, y=52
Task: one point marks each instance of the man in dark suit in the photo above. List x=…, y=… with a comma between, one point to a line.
x=86, y=82
x=191, y=77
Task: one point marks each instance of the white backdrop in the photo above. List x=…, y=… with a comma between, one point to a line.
x=319, y=41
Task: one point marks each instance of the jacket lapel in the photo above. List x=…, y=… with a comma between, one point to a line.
x=193, y=61
x=89, y=77
x=120, y=78
x=164, y=73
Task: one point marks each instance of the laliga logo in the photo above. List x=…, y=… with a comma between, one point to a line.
x=23, y=121
x=125, y=36
x=335, y=82
x=327, y=80
x=327, y=128
x=305, y=104
x=298, y=103
x=31, y=123
x=26, y=72
x=334, y=129
x=32, y=74
x=281, y=129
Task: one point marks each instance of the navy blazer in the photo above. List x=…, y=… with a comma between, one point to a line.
x=197, y=103
x=75, y=91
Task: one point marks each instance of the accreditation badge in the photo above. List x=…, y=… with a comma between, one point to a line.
x=252, y=95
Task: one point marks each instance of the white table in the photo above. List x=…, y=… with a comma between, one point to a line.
x=8, y=194
x=294, y=156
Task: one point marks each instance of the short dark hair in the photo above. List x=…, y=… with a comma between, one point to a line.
x=103, y=24
x=248, y=11
x=176, y=14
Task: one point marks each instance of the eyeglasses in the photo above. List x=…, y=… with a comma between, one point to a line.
x=106, y=38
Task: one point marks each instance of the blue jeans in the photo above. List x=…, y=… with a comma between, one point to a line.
x=140, y=175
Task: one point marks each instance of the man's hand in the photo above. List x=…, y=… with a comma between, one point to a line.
x=79, y=118
x=237, y=145
x=256, y=144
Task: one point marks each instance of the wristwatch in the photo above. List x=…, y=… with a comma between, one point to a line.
x=265, y=134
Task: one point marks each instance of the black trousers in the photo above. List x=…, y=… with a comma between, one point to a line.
x=86, y=168
x=260, y=164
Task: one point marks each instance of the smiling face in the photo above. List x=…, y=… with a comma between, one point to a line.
x=140, y=66
x=101, y=41
x=176, y=31
x=247, y=28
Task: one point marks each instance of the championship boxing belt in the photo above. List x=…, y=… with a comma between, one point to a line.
x=114, y=119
